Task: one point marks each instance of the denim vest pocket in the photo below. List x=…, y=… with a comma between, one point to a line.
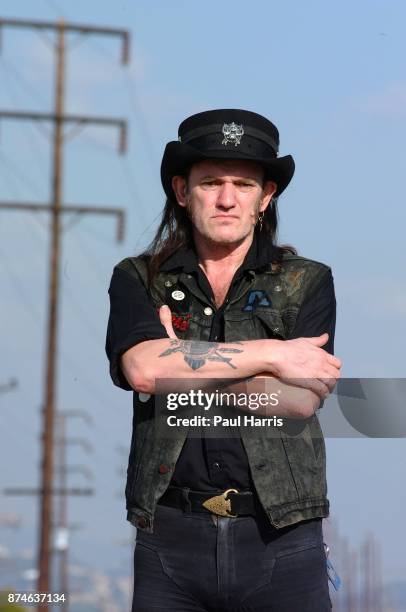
x=253, y=326
x=270, y=322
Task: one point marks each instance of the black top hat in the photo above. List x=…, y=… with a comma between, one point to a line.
x=226, y=134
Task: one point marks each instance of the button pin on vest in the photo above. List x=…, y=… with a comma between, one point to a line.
x=164, y=469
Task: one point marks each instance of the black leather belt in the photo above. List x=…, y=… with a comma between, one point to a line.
x=226, y=503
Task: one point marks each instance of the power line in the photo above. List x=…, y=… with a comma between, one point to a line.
x=91, y=260
x=57, y=8
x=36, y=151
x=20, y=176
x=19, y=288
x=83, y=316
x=142, y=125
x=12, y=71
x=58, y=119
x=14, y=432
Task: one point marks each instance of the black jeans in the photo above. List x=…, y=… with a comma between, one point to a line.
x=195, y=562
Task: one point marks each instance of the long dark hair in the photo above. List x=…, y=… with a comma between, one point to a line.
x=176, y=231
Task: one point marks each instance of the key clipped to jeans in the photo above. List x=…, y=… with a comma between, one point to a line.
x=331, y=573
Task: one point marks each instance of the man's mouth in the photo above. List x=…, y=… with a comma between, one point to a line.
x=225, y=217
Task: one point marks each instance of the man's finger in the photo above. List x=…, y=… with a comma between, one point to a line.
x=316, y=385
x=165, y=316
x=335, y=361
x=319, y=340
x=330, y=383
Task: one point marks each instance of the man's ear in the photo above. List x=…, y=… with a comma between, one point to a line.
x=180, y=189
x=268, y=191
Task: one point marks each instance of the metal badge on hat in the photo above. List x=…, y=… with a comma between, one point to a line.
x=232, y=133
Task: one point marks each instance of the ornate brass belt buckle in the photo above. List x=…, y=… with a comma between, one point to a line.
x=219, y=504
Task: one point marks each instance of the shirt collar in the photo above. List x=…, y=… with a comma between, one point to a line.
x=259, y=255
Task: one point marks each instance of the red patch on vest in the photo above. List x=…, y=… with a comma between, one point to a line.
x=181, y=322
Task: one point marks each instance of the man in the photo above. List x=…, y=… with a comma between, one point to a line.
x=226, y=523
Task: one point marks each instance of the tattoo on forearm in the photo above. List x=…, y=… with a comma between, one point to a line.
x=197, y=353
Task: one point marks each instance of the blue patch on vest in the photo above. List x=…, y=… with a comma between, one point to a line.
x=255, y=299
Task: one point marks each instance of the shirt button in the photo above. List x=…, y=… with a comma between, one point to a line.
x=216, y=466
x=208, y=311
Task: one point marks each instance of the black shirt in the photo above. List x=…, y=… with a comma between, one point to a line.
x=205, y=464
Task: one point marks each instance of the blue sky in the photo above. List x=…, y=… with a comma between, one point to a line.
x=332, y=77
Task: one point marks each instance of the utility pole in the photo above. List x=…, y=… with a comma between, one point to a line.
x=347, y=603
x=372, y=575
x=63, y=528
x=58, y=118
x=62, y=519
x=367, y=583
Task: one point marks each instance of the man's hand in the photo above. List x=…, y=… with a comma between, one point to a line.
x=304, y=363
x=165, y=316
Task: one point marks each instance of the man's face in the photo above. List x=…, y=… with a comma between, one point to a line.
x=224, y=199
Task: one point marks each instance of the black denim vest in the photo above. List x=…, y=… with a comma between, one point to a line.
x=289, y=471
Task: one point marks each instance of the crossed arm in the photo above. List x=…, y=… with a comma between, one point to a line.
x=301, y=369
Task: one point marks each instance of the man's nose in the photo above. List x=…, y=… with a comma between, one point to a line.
x=226, y=195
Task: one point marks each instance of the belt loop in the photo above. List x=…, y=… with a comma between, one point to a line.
x=187, y=506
